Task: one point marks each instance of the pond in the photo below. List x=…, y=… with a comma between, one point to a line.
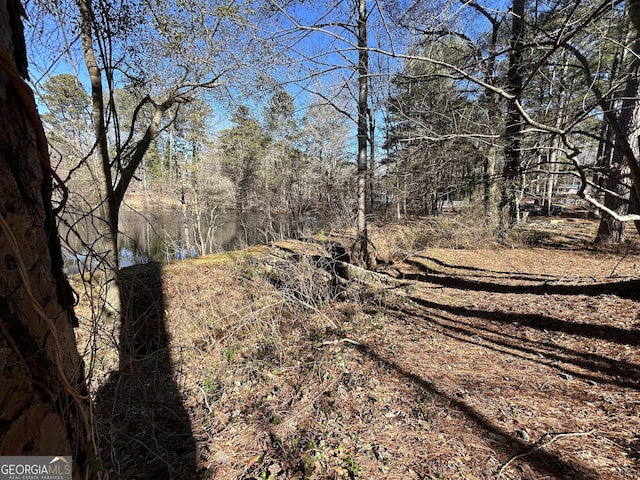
x=160, y=235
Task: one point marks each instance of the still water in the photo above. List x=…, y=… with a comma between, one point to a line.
x=160, y=235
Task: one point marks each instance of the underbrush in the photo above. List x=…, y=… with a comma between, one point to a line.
x=529, y=236
x=466, y=229
x=469, y=229
x=253, y=370
x=240, y=357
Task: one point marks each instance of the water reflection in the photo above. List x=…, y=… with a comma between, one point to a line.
x=161, y=236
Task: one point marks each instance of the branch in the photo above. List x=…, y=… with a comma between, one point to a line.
x=329, y=102
x=312, y=28
x=342, y=340
x=542, y=446
x=480, y=9
x=600, y=188
x=134, y=119
x=136, y=156
x=582, y=194
x=622, y=142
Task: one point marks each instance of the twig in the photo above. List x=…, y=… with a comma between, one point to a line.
x=543, y=445
x=206, y=399
x=342, y=340
x=621, y=259
x=315, y=309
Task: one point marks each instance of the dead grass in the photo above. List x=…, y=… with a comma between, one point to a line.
x=513, y=363
x=466, y=229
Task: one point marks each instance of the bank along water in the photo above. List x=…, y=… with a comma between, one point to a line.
x=163, y=235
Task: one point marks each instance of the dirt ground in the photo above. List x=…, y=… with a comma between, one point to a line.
x=512, y=363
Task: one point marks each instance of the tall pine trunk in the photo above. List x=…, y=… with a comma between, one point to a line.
x=361, y=252
x=512, y=185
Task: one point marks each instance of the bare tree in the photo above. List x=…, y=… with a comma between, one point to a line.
x=361, y=252
x=163, y=55
x=623, y=180
x=338, y=51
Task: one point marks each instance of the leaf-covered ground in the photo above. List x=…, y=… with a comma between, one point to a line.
x=514, y=363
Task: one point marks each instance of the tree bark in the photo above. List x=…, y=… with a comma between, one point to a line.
x=372, y=160
x=44, y=405
x=492, y=158
x=491, y=187
x=610, y=229
x=108, y=208
x=361, y=253
x=512, y=185
x=621, y=178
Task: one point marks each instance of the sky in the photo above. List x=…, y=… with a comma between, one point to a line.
x=315, y=62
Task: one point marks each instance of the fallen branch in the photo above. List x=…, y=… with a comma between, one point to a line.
x=542, y=446
x=355, y=273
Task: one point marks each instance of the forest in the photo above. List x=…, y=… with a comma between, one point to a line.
x=269, y=107
x=273, y=239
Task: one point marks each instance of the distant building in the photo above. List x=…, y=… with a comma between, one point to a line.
x=565, y=189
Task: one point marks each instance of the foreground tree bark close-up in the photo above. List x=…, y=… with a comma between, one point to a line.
x=44, y=406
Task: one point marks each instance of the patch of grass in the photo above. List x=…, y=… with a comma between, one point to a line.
x=353, y=467
x=230, y=352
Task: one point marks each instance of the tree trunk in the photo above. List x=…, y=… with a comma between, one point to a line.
x=605, y=150
x=492, y=159
x=361, y=253
x=623, y=176
x=372, y=161
x=116, y=173
x=556, y=143
x=44, y=402
x=512, y=185
x=108, y=208
x=610, y=229
x=491, y=187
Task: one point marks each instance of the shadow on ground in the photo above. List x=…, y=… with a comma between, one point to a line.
x=493, y=337
x=542, y=461
x=623, y=289
x=145, y=429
